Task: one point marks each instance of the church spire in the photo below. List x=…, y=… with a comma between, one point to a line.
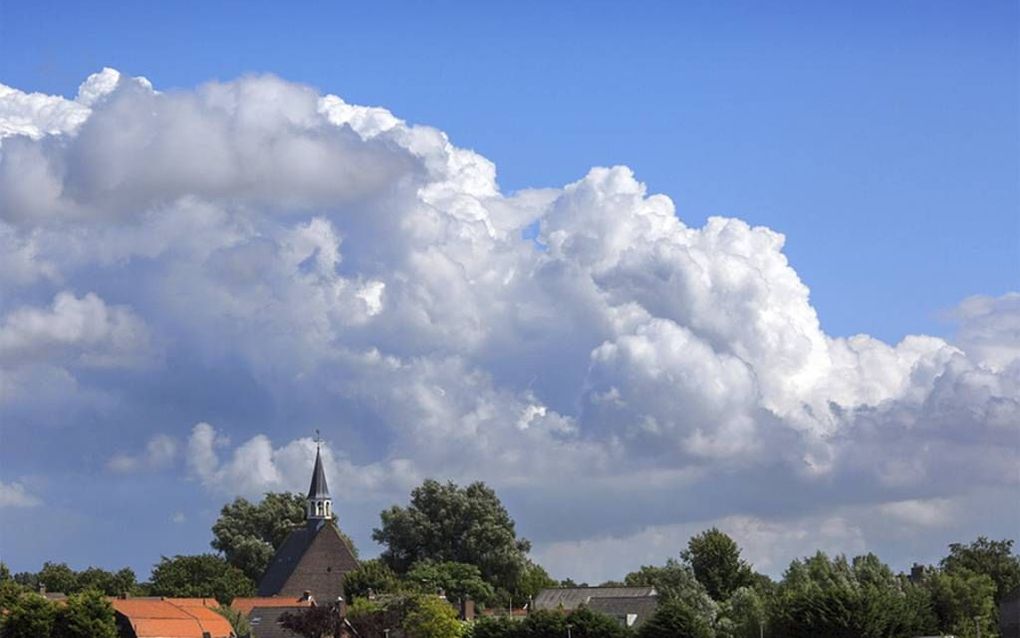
x=320, y=504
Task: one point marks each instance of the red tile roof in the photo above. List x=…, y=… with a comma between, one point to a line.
x=172, y=617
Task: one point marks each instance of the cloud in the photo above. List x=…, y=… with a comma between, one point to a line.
x=263, y=260
x=14, y=495
x=160, y=452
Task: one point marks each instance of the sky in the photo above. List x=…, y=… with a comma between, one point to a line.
x=644, y=269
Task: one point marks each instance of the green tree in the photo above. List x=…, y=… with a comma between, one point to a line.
x=842, y=599
x=744, y=614
x=674, y=619
x=58, y=577
x=371, y=618
x=444, y=522
x=496, y=627
x=432, y=617
x=533, y=580
x=715, y=559
x=31, y=616
x=200, y=576
x=110, y=583
x=994, y=559
x=238, y=621
x=676, y=581
x=585, y=623
x=457, y=580
x=959, y=597
x=371, y=576
x=86, y=615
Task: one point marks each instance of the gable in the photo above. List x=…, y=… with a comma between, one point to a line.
x=322, y=567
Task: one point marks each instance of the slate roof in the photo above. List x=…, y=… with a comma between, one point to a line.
x=171, y=618
x=265, y=623
x=573, y=597
x=313, y=558
x=621, y=607
x=318, y=488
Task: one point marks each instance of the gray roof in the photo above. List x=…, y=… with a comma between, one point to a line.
x=318, y=488
x=621, y=607
x=265, y=621
x=573, y=597
x=288, y=557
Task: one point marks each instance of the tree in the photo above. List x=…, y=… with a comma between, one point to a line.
x=432, y=617
x=444, y=522
x=371, y=576
x=238, y=621
x=58, y=577
x=533, y=580
x=715, y=559
x=676, y=581
x=86, y=615
x=249, y=533
x=110, y=583
x=31, y=616
x=496, y=627
x=995, y=559
x=315, y=622
x=200, y=576
x=457, y=580
x=842, y=599
x=743, y=614
x=674, y=619
x=960, y=596
x=585, y=623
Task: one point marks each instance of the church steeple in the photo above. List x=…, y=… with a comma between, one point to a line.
x=320, y=504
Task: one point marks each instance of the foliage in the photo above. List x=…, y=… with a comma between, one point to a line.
x=675, y=619
x=533, y=580
x=742, y=615
x=584, y=623
x=444, y=522
x=994, y=559
x=371, y=576
x=238, y=621
x=959, y=597
x=371, y=618
x=715, y=559
x=200, y=576
x=86, y=615
x=315, y=622
x=31, y=616
x=457, y=580
x=432, y=617
x=676, y=581
x=5, y=572
x=837, y=598
x=58, y=577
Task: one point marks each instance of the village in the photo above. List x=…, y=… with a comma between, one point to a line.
x=315, y=587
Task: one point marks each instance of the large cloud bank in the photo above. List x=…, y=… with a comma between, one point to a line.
x=365, y=276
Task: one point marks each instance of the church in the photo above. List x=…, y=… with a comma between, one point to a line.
x=314, y=558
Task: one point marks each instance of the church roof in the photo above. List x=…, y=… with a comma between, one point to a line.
x=318, y=488
x=289, y=555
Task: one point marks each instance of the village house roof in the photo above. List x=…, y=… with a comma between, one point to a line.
x=246, y=605
x=631, y=611
x=172, y=618
x=573, y=597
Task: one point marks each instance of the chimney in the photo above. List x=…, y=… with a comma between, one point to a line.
x=341, y=606
x=467, y=609
x=42, y=588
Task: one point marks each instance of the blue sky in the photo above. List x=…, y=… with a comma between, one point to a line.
x=174, y=325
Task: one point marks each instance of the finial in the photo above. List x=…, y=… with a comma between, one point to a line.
x=318, y=439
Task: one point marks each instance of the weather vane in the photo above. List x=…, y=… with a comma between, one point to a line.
x=318, y=439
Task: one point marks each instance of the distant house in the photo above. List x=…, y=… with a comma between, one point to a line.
x=630, y=606
x=169, y=618
x=1009, y=615
x=313, y=558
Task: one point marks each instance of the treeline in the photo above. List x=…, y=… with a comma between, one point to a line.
x=461, y=542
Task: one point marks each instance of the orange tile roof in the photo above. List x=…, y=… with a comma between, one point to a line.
x=245, y=605
x=172, y=618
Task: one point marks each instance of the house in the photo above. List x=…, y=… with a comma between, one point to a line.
x=169, y=618
x=314, y=558
x=630, y=606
